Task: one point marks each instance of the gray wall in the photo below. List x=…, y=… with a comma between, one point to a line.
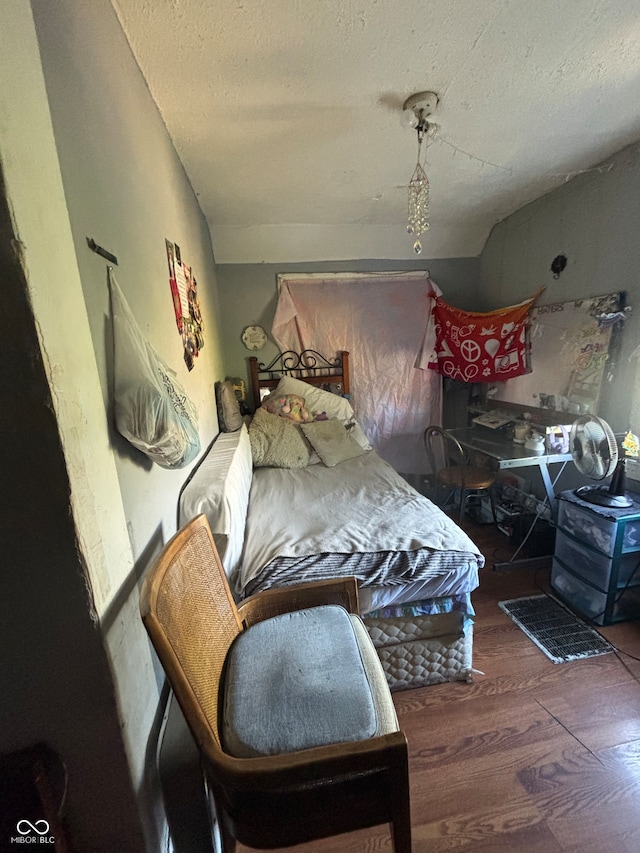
x=249, y=293
x=83, y=512
x=55, y=683
x=126, y=187
x=593, y=220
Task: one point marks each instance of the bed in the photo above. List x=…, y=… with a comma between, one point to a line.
x=344, y=512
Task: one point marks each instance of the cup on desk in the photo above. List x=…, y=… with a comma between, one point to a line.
x=535, y=443
x=520, y=433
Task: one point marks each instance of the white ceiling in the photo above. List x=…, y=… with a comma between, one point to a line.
x=286, y=113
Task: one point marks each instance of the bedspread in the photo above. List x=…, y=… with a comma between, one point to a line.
x=361, y=506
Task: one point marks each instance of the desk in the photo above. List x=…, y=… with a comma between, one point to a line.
x=505, y=454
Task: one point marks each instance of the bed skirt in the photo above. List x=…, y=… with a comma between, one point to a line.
x=420, y=650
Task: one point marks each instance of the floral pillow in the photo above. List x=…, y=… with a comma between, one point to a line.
x=317, y=399
x=290, y=406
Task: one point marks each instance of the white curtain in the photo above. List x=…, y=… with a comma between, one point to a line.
x=381, y=320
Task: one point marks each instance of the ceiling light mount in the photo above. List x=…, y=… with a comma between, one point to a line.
x=417, y=108
x=416, y=111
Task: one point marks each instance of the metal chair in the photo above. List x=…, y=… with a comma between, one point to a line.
x=451, y=467
x=272, y=796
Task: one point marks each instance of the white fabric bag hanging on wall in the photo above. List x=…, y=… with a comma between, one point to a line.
x=152, y=409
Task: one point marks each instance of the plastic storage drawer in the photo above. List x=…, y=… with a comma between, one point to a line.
x=587, y=526
x=593, y=566
x=581, y=596
x=596, y=531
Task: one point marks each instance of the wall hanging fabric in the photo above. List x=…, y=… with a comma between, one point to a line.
x=480, y=347
x=379, y=318
x=152, y=409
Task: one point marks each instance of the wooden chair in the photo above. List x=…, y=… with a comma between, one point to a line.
x=452, y=468
x=291, y=797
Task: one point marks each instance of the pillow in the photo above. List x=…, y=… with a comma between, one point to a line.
x=229, y=416
x=290, y=406
x=276, y=442
x=319, y=400
x=331, y=441
x=220, y=488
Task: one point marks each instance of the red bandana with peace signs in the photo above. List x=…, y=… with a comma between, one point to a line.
x=474, y=347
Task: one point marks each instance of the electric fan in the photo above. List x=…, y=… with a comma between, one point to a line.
x=595, y=453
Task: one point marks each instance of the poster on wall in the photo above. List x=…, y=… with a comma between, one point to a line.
x=573, y=349
x=184, y=293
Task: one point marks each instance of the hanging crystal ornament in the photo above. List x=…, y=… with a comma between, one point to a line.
x=418, y=201
x=416, y=109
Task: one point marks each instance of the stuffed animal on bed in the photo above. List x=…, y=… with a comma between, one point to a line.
x=289, y=406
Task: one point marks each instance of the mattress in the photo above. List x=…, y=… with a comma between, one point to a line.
x=417, y=651
x=360, y=518
x=422, y=593
x=388, y=576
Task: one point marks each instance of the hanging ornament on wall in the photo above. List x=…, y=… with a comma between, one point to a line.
x=415, y=112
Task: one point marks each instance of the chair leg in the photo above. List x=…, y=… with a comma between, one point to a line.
x=401, y=836
x=463, y=492
x=400, y=803
x=492, y=498
x=223, y=842
x=228, y=842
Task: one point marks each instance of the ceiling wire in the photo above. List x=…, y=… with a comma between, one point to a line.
x=458, y=150
x=566, y=176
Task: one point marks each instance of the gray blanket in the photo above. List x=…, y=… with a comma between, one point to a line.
x=359, y=518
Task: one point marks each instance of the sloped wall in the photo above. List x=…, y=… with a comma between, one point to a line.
x=593, y=219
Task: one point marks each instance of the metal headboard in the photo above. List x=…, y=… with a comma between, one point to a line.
x=308, y=365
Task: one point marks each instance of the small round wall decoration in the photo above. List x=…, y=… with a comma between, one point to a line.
x=254, y=337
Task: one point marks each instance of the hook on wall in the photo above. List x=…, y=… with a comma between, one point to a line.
x=558, y=264
x=91, y=243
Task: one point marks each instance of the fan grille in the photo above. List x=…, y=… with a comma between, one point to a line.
x=593, y=447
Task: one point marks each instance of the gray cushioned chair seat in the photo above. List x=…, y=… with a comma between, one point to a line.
x=304, y=679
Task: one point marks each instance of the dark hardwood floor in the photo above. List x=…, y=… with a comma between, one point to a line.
x=533, y=757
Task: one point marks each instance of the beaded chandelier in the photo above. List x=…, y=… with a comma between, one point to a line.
x=415, y=112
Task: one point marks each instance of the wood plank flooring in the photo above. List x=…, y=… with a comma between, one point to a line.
x=533, y=757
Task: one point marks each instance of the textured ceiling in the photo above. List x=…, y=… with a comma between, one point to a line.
x=286, y=113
